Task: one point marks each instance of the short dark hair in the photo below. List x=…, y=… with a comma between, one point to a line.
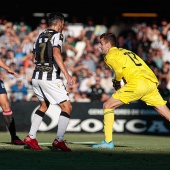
x=54, y=17
x=109, y=37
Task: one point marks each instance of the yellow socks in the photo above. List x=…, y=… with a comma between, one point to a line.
x=108, y=124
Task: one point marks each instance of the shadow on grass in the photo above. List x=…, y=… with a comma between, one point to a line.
x=90, y=145
x=83, y=157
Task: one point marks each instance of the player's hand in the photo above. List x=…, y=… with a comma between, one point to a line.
x=116, y=84
x=70, y=80
x=13, y=73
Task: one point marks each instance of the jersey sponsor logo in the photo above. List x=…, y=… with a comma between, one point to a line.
x=121, y=125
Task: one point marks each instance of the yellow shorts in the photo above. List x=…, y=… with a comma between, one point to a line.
x=140, y=89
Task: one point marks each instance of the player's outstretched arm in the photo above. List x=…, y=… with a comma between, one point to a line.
x=4, y=66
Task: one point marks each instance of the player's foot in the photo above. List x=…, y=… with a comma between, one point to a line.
x=61, y=145
x=104, y=144
x=17, y=141
x=32, y=143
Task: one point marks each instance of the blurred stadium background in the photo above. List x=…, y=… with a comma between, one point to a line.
x=132, y=150
x=137, y=24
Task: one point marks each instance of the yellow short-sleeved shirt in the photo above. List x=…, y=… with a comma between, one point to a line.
x=141, y=81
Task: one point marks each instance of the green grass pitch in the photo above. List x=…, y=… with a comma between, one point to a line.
x=132, y=152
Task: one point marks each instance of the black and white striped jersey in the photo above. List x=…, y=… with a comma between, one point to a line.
x=46, y=67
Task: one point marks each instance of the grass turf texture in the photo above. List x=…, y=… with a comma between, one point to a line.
x=131, y=152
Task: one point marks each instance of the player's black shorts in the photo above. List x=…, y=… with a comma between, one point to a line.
x=2, y=88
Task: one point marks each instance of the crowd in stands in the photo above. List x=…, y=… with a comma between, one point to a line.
x=82, y=56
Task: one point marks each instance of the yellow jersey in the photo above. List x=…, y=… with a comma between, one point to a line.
x=128, y=65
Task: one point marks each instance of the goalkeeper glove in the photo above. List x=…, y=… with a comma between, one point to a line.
x=116, y=84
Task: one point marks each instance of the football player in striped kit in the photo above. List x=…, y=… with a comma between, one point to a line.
x=46, y=82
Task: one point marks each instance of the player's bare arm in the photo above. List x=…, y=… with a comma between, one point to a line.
x=60, y=63
x=4, y=66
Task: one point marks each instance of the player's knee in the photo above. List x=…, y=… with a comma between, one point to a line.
x=107, y=105
x=66, y=108
x=43, y=107
x=70, y=108
x=47, y=104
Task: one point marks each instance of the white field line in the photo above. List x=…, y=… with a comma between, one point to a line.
x=5, y=145
x=90, y=142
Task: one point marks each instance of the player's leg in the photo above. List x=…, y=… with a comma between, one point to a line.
x=56, y=94
x=40, y=112
x=63, y=122
x=38, y=116
x=130, y=92
x=153, y=98
x=109, y=107
x=37, y=119
x=64, y=118
x=8, y=116
x=30, y=139
x=160, y=105
x=163, y=111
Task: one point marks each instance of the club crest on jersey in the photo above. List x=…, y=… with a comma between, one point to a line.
x=61, y=36
x=58, y=85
